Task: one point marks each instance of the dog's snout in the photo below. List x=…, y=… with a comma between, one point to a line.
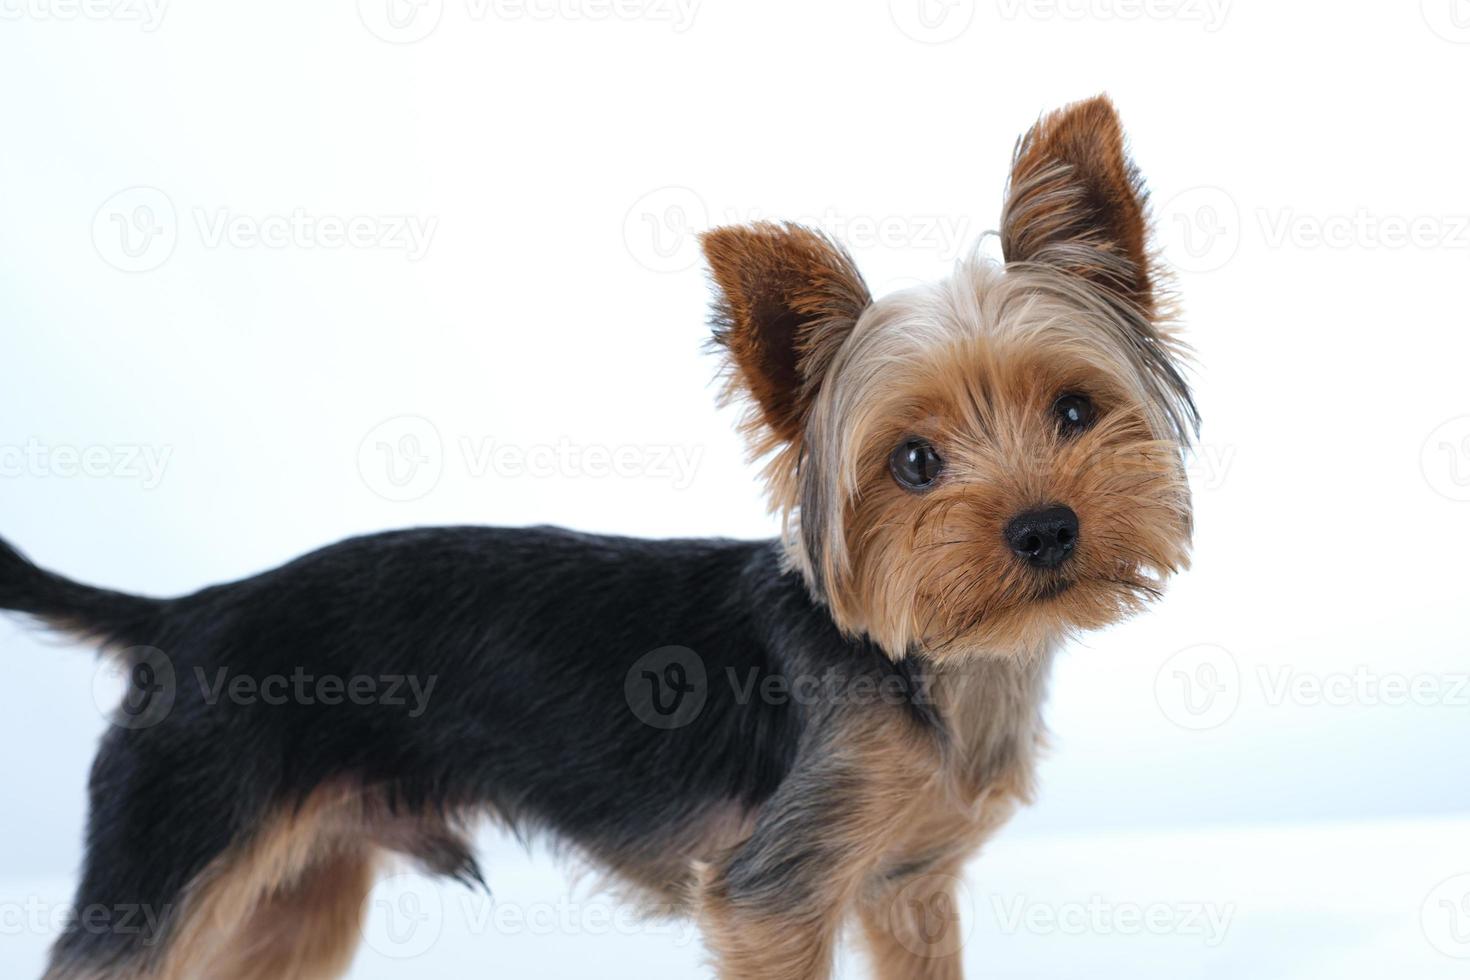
x=1044, y=538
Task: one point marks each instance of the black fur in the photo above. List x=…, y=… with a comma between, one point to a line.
x=529, y=636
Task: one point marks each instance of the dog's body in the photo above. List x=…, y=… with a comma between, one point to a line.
x=771, y=735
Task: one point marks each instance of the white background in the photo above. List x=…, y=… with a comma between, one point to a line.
x=1248, y=746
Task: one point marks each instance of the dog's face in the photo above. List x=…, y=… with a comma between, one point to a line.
x=977, y=466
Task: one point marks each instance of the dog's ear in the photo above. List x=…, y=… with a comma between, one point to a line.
x=787, y=297
x=1077, y=202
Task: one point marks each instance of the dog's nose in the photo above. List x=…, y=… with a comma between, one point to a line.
x=1044, y=538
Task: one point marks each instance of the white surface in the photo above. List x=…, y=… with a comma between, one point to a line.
x=1346, y=901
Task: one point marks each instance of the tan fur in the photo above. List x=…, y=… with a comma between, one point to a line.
x=1077, y=201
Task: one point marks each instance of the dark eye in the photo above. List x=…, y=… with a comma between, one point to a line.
x=1074, y=413
x=915, y=464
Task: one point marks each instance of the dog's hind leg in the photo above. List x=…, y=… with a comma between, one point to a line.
x=283, y=902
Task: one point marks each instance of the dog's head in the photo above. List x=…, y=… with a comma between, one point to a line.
x=981, y=464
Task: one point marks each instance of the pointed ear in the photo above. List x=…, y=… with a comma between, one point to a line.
x=787, y=297
x=1076, y=201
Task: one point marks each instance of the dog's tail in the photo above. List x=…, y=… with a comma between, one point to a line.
x=113, y=618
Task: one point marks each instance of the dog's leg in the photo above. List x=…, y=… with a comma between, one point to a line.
x=913, y=928
x=773, y=908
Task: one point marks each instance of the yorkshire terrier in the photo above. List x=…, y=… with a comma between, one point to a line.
x=775, y=737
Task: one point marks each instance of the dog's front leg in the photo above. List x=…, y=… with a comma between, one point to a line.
x=772, y=909
x=913, y=927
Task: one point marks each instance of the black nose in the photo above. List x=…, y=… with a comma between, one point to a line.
x=1044, y=538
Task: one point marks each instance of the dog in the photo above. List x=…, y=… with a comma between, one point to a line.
x=774, y=737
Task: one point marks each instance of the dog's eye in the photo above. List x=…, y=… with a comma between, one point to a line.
x=915, y=464
x=1074, y=413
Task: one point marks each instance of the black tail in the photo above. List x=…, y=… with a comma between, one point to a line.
x=113, y=617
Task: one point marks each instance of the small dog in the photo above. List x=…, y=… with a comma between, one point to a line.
x=771, y=736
